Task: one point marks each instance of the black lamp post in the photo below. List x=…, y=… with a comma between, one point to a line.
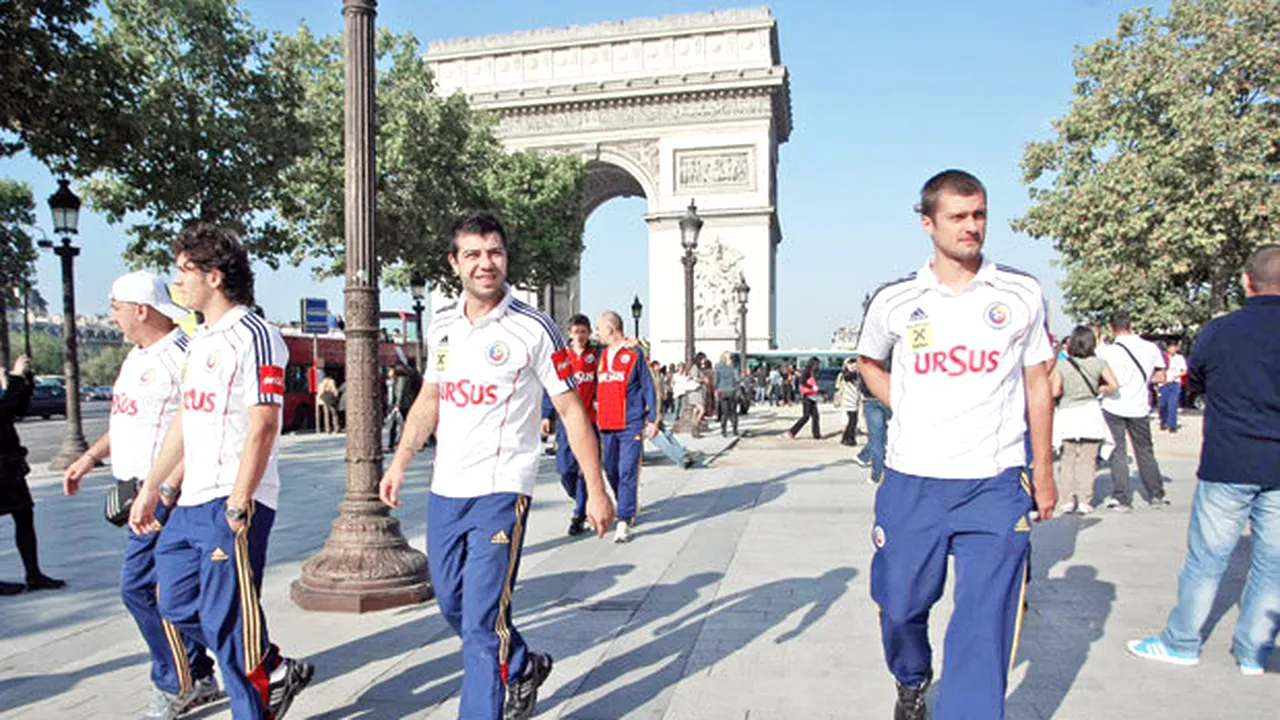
x=690, y=226
x=740, y=291
x=636, y=311
x=66, y=218
x=418, y=289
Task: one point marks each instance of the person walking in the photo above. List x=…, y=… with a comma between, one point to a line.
x=1077, y=382
x=876, y=415
x=328, y=399
x=849, y=399
x=211, y=553
x=493, y=357
x=1137, y=364
x=405, y=383
x=971, y=354
x=583, y=357
x=1170, y=391
x=1235, y=362
x=727, y=383
x=808, y=389
x=626, y=413
x=144, y=399
x=15, y=495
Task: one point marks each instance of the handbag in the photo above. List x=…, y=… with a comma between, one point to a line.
x=120, y=497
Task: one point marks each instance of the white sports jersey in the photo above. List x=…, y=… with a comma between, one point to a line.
x=491, y=376
x=956, y=385
x=143, y=401
x=231, y=366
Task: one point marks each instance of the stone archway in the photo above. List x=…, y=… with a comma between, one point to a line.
x=672, y=109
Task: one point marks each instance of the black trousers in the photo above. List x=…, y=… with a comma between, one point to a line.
x=728, y=412
x=1139, y=430
x=851, y=429
x=810, y=411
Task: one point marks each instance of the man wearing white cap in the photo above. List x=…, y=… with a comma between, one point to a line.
x=143, y=400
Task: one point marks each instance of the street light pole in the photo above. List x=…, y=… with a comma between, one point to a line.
x=636, y=311
x=365, y=563
x=418, y=288
x=690, y=226
x=742, y=290
x=66, y=215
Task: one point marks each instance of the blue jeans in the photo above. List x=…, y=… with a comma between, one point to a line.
x=1218, y=514
x=1170, y=395
x=877, y=435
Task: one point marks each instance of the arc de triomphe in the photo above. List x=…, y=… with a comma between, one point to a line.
x=672, y=109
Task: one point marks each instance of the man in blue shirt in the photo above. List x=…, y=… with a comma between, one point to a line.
x=1236, y=364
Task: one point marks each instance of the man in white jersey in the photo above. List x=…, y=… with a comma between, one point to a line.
x=211, y=552
x=489, y=358
x=970, y=356
x=144, y=398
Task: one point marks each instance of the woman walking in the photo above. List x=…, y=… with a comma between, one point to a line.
x=849, y=398
x=808, y=387
x=15, y=496
x=1077, y=381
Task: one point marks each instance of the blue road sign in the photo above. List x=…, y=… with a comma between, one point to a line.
x=315, y=316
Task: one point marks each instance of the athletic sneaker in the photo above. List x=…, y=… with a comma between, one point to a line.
x=1084, y=508
x=576, y=525
x=860, y=462
x=1159, y=503
x=202, y=692
x=1153, y=648
x=1111, y=503
x=910, y=704
x=160, y=706
x=623, y=533
x=522, y=695
x=280, y=693
x=1250, y=667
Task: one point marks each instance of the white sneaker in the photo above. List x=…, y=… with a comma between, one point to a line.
x=1084, y=508
x=161, y=706
x=623, y=533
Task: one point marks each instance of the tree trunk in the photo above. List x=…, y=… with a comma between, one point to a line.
x=4, y=333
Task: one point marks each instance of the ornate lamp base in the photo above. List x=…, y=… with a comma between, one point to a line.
x=366, y=565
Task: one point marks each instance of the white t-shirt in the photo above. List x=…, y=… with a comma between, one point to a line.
x=143, y=401
x=956, y=383
x=1132, y=399
x=491, y=376
x=231, y=366
x=1177, y=369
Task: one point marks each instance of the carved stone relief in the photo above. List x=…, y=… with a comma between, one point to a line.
x=609, y=116
x=714, y=277
x=716, y=169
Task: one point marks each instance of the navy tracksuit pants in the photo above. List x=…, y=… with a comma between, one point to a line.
x=209, y=580
x=570, y=473
x=473, y=553
x=623, y=450
x=177, y=659
x=983, y=524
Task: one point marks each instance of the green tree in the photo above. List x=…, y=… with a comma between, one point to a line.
x=213, y=129
x=17, y=251
x=46, y=352
x=436, y=157
x=104, y=367
x=1165, y=173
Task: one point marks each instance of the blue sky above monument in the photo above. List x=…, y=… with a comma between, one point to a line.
x=883, y=96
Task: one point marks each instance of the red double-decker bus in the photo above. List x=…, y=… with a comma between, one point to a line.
x=329, y=356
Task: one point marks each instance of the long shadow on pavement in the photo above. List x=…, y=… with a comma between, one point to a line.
x=26, y=690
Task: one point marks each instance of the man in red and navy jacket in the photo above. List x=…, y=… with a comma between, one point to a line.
x=626, y=407
x=583, y=356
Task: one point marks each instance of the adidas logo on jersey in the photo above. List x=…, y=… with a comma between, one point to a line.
x=918, y=315
x=217, y=554
x=500, y=538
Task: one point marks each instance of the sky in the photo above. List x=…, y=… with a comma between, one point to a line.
x=883, y=95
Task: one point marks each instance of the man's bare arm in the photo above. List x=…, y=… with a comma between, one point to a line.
x=84, y=464
x=142, y=514
x=264, y=428
x=421, y=423
x=582, y=440
x=876, y=376
x=1040, y=429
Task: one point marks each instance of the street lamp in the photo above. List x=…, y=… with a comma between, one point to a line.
x=66, y=218
x=740, y=291
x=690, y=226
x=418, y=289
x=636, y=310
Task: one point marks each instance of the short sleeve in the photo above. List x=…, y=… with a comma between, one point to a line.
x=1038, y=349
x=262, y=364
x=1157, y=358
x=874, y=339
x=551, y=361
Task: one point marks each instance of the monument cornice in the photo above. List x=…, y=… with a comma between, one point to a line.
x=637, y=29
x=689, y=83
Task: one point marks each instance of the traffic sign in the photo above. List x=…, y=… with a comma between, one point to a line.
x=315, y=316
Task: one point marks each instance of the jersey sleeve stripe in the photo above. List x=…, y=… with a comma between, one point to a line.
x=892, y=284
x=557, y=338
x=261, y=339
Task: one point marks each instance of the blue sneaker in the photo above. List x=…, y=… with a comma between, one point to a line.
x=1250, y=667
x=1153, y=648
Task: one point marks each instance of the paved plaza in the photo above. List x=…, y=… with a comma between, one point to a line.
x=743, y=595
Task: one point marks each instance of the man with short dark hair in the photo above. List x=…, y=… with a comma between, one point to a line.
x=225, y=437
x=1137, y=364
x=970, y=353
x=490, y=358
x=583, y=357
x=1171, y=389
x=1235, y=362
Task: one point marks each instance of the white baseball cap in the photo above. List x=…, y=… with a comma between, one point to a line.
x=143, y=288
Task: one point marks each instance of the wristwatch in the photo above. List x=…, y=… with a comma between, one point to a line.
x=236, y=514
x=169, y=492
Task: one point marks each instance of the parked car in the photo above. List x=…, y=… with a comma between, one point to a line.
x=47, y=401
x=96, y=392
x=827, y=382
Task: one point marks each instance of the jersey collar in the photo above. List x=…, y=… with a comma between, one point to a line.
x=460, y=308
x=233, y=316
x=928, y=281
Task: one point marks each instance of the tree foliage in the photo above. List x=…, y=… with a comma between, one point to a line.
x=104, y=367
x=436, y=157
x=213, y=128
x=1165, y=173
x=17, y=251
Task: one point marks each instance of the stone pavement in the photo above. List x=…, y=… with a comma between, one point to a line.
x=743, y=595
